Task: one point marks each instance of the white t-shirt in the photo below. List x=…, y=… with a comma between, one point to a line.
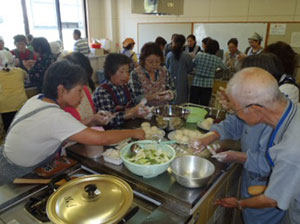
x=37, y=137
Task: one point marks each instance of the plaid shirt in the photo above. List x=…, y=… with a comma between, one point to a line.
x=104, y=101
x=205, y=69
x=142, y=85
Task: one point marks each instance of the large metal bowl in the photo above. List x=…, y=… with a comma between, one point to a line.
x=170, y=117
x=192, y=171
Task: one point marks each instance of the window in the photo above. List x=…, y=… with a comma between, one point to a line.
x=72, y=17
x=43, y=20
x=11, y=24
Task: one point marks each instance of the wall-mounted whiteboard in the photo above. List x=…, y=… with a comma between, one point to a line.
x=149, y=31
x=222, y=32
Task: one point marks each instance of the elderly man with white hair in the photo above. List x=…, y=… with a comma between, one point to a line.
x=255, y=98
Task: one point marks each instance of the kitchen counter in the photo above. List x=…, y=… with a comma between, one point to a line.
x=172, y=203
x=164, y=188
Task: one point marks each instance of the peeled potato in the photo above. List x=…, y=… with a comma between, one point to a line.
x=193, y=135
x=184, y=139
x=256, y=190
x=178, y=137
x=145, y=125
x=146, y=129
x=185, y=132
x=210, y=120
x=206, y=124
x=179, y=132
x=154, y=129
x=198, y=134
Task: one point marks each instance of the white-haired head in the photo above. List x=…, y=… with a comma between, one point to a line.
x=254, y=86
x=56, y=47
x=6, y=59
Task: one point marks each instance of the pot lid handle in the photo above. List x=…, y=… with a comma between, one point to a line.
x=92, y=191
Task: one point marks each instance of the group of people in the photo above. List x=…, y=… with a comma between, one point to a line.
x=203, y=62
x=28, y=63
x=260, y=99
x=261, y=102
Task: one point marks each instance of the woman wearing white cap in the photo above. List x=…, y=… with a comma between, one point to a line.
x=255, y=47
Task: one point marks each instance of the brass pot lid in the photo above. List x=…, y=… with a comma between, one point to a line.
x=90, y=199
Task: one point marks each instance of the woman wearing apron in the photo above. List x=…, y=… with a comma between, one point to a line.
x=150, y=80
x=255, y=47
x=115, y=95
x=41, y=125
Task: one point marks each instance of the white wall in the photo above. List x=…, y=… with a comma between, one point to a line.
x=116, y=22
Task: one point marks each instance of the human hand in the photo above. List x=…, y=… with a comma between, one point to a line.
x=230, y=202
x=28, y=63
x=139, y=111
x=230, y=156
x=138, y=134
x=166, y=95
x=16, y=61
x=103, y=117
x=223, y=99
x=201, y=143
x=107, y=114
x=240, y=56
x=145, y=112
x=100, y=119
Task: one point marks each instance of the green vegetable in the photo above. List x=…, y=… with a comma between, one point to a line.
x=149, y=156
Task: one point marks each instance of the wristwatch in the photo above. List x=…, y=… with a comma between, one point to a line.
x=239, y=206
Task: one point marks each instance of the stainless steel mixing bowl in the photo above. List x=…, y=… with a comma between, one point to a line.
x=170, y=117
x=192, y=171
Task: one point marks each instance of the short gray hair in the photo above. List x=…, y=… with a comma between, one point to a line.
x=6, y=59
x=254, y=86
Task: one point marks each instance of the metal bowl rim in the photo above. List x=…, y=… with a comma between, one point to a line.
x=193, y=178
x=184, y=110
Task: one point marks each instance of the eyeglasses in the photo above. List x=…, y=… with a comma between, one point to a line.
x=245, y=107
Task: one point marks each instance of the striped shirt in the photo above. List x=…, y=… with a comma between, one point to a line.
x=82, y=46
x=205, y=69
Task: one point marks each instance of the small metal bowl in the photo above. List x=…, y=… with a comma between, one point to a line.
x=192, y=171
x=217, y=114
x=170, y=117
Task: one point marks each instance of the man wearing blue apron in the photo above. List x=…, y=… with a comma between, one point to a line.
x=254, y=140
x=256, y=99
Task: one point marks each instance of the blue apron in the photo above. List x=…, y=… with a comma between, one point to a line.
x=274, y=133
x=258, y=216
x=295, y=204
x=266, y=215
